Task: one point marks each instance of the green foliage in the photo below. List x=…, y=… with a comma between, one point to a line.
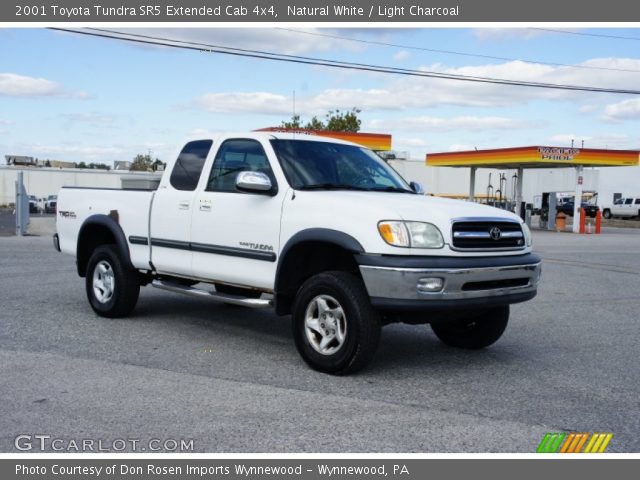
x=141, y=163
x=336, y=121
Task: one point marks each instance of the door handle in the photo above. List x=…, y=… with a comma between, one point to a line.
x=183, y=205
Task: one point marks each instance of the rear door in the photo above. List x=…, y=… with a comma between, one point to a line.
x=234, y=234
x=170, y=228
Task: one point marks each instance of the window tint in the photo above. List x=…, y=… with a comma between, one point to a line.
x=637, y=201
x=188, y=167
x=233, y=157
x=628, y=201
x=317, y=164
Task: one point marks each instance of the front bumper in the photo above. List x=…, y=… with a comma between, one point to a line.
x=395, y=282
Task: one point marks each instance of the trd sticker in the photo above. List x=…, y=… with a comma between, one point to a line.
x=65, y=214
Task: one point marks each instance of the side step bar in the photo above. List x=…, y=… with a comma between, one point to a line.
x=218, y=297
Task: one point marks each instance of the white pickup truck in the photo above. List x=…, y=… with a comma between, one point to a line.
x=317, y=228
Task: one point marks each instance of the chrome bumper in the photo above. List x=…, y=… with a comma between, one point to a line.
x=383, y=282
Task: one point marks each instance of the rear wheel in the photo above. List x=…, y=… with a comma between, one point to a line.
x=335, y=328
x=112, y=289
x=477, y=330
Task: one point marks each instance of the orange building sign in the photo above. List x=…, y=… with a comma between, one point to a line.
x=374, y=141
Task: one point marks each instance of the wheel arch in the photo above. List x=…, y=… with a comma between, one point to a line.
x=307, y=253
x=99, y=230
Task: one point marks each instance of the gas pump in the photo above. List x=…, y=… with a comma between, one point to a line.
x=548, y=210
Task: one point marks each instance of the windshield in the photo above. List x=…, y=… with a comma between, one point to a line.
x=312, y=165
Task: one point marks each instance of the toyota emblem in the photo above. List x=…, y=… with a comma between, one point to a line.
x=495, y=233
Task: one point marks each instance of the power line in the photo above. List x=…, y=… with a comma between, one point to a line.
x=453, y=52
x=225, y=50
x=585, y=34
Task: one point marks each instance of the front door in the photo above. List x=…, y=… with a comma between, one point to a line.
x=234, y=234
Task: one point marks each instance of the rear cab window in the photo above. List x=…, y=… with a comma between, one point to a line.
x=188, y=167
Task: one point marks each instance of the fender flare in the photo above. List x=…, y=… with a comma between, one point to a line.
x=324, y=235
x=109, y=223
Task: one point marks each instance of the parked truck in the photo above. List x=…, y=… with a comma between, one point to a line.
x=319, y=229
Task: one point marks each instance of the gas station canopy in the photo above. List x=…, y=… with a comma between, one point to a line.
x=535, y=157
x=521, y=158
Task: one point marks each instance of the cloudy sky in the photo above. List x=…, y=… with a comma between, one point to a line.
x=72, y=97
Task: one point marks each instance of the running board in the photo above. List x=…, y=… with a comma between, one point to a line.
x=216, y=296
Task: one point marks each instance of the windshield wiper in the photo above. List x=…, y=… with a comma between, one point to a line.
x=332, y=186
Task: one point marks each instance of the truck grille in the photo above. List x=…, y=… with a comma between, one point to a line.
x=487, y=235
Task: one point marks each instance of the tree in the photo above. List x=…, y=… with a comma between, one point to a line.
x=99, y=166
x=81, y=165
x=141, y=163
x=336, y=121
x=314, y=124
x=293, y=123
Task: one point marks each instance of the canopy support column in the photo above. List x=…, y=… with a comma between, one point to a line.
x=577, y=200
x=472, y=184
x=519, y=180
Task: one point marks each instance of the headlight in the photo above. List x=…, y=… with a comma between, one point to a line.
x=527, y=235
x=411, y=234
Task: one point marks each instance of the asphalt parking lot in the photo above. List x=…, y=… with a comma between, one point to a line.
x=231, y=379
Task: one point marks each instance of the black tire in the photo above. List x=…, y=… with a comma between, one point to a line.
x=239, y=291
x=124, y=287
x=358, y=322
x=606, y=213
x=477, y=330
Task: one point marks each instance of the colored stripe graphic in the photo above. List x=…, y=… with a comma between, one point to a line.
x=557, y=442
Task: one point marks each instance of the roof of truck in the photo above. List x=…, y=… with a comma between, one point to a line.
x=301, y=135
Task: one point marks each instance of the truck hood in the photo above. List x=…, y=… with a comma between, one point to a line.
x=422, y=208
x=357, y=213
x=440, y=210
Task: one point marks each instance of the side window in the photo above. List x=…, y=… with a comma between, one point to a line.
x=235, y=156
x=188, y=167
x=628, y=201
x=637, y=201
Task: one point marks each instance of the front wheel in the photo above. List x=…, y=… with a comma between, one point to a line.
x=335, y=328
x=112, y=289
x=606, y=213
x=474, y=331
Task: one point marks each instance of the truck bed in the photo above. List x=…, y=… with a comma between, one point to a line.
x=128, y=207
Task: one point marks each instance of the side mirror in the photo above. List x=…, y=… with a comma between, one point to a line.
x=254, y=182
x=417, y=187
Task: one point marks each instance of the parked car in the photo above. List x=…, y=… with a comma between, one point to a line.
x=567, y=205
x=622, y=207
x=33, y=204
x=322, y=230
x=51, y=204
